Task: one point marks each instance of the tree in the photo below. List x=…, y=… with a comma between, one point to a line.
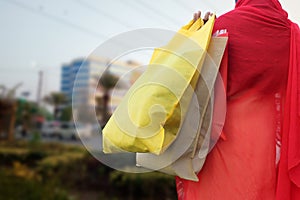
x=107, y=82
x=29, y=115
x=9, y=94
x=8, y=111
x=57, y=100
x=66, y=114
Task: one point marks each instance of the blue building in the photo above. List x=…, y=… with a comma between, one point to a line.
x=68, y=76
x=86, y=73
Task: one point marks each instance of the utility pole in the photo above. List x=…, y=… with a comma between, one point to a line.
x=39, y=88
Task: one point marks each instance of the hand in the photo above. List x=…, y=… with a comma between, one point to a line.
x=197, y=15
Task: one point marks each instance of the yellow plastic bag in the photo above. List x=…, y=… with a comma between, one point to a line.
x=151, y=113
x=186, y=155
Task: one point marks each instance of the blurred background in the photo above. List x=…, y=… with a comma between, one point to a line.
x=47, y=57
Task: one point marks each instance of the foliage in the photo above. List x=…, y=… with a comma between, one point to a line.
x=45, y=113
x=26, y=110
x=56, y=171
x=146, y=185
x=14, y=187
x=35, y=141
x=108, y=80
x=66, y=114
x=57, y=100
x=60, y=159
x=7, y=111
x=9, y=94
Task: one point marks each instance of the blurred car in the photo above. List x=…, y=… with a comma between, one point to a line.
x=84, y=130
x=50, y=129
x=68, y=130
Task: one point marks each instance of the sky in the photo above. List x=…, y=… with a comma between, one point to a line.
x=41, y=35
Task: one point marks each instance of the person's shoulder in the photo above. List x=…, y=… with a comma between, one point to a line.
x=228, y=14
x=225, y=20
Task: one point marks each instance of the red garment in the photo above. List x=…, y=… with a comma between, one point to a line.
x=288, y=184
x=263, y=109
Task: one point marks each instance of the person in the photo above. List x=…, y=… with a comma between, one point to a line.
x=259, y=157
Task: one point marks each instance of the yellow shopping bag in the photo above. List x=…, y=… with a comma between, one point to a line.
x=187, y=154
x=151, y=113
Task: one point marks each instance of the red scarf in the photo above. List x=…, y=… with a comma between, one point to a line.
x=265, y=18
x=288, y=184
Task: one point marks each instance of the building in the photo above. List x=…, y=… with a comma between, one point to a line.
x=79, y=80
x=68, y=75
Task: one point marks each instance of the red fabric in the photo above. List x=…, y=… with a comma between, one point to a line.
x=263, y=109
x=288, y=186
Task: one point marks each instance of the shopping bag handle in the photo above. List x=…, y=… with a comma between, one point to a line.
x=195, y=25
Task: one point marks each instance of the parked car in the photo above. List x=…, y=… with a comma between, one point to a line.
x=50, y=128
x=84, y=130
x=68, y=130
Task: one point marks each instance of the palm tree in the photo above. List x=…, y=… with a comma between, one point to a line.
x=8, y=111
x=9, y=94
x=107, y=82
x=57, y=100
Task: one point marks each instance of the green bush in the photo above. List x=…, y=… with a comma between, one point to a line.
x=56, y=171
x=10, y=155
x=143, y=185
x=15, y=188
